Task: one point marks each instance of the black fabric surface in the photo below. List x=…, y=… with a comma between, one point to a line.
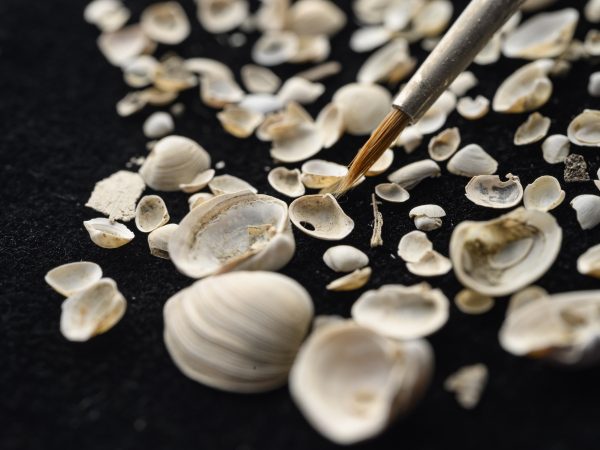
x=59, y=134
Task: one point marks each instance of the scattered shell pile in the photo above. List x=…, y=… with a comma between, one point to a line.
x=243, y=328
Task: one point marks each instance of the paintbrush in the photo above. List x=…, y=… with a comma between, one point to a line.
x=457, y=49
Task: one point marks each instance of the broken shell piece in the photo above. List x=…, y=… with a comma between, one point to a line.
x=238, y=121
x=240, y=231
x=165, y=22
x=275, y=47
x=412, y=174
x=587, y=207
x=545, y=35
x=366, y=39
x=363, y=106
x=563, y=329
x=198, y=199
x=321, y=216
x=524, y=296
x=468, y=384
x=587, y=264
x=491, y=192
x=140, y=71
x=352, y=281
x=199, y=182
x=463, y=83
x=391, y=64
x=444, y=145
x=345, y=258
x=525, y=90
x=311, y=17
x=158, y=124
x=151, y=213
x=238, y=332
x=393, y=377
x=117, y=195
x=300, y=90
x=330, y=122
x=286, y=181
x=299, y=141
x=473, y=108
x=431, y=264
x=228, y=184
x=158, y=240
x=107, y=234
x=312, y=49
x=534, y=129
x=174, y=160
x=555, y=148
x=543, y=194
x=413, y=246
x=471, y=302
x=318, y=174
x=472, y=160
x=259, y=80
x=584, y=129
x=591, y=45
x=427, y=217
x=73, y=277
x=382, y=164
x=173, y=76
x=576, y=169
x=219, y=92
x=221, y=16
x=402, y=312
x=392, y=192
x=206, y=67
x=501, y=256
x=121, y=46
x=92, y=311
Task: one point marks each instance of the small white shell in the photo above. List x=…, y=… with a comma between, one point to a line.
x=238, y=121
x=431, y=264
x=321, y=216
x=158, y=240
x=300, y=90
x=473, y=108
x=534, y=129
x=165, y=22
x=107, y=234
x=587, y=264
x=330, y=122
x=352, y=281
x=312, y=49
x=363, y=106
x=585, y=129
x=427, y=217
x=432, y=18
x=472, y=160
x=382, y=164
x=287, y=182
x=366, y=39
x=221, y=16
x=543, y=194
x=556, y=148
x=318, y=174
x=413, y=246
x=436, y=115
x=73, y=277
x=587, y=207
x=524, y=296
x=392, y=192
x=392, y=63
x=471, y=302
x=107, y=15
x=140, y=71
x=219, y=92
x=228, y=184
x=199, y=182
x=594, y=84
x=259, y=80
x=592, y=11
x=151, y=213
x=491, y=192
x=402, y=312
x=345, y=258
x=313, y=17
x=121, y=46
x=199, y=198
x=300, y=141
x=443, y=145
x=412, y=174
x=464, y=82
x=92, y=311
x=206, y=67
x=275, y=47
x=410, y=139
x=158, y=124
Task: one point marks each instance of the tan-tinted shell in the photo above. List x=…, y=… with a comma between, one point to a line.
x=556, y=148
x=275, y=47
x=382, y=164
x=491, y=192
x=412, y=174
x=219, y=92
x=286, y=181
x=238, y=121
x=471, y=302
x=165, y=22
x=221, y=16
x=311, y=49
x=501, y=256
x=318, y=174
x=392, y=63
x=471, y=161
x=543, y=194
x=534, y=129
x=330, y=122
x=587, y=208
x=431, y=264
x=592, y=11
x=199, y=198
x=206, y=67
x=345, y=258
x=402, y=312
x=121, y=46
x=473, y=108
x=73, y=277
x=313, y=17
x=443, y=145
x=363, y=106
x=413, y=246
x=151, y=213
x=240, y=231
x=259, y=80
x=158, y=240
x=392, y=192
x=321, y=216
x=199, y=182
x=463, y=83
x=585, y=129
x=107, y=234
x=348, y=405
x=589, y=262
x=352, y=281
x=468, y=384
x=228, y=184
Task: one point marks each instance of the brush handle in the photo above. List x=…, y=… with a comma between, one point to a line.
x=457, y=49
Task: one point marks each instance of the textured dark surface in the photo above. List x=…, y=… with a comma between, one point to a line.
x=59, y=134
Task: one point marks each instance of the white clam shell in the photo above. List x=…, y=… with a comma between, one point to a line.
x=410, y=138
x=92, y=311
x=433, y=18
x=392, y=192
x=221, y=16
x=347, y=405
x=165, y=22
x=464, y=82
x=345, y=258
x=435, y=117
x=592, y=11
x=471, y=302
x=534, y=129
x=206, y=67
x=382, y=164
x=321, y=216
x=158, y=124
x=352, y=281
x=158, y=240
x=73, y=277
x=402, y=312
x=589, y=262
x=318, y=174
x=413, y=246
x=587, y=207
x=174, y=160
x=238, y=332
x=563, y=329
x=228, y=184
x=261, y=103
x=472, y=160
x=468, y=384
x=524, y=296
x=491, y=192
x=501, y=256
x=286, y=181
x=275, y=47
x=238, y=121
x=363, y=106
x=330, y=122
x=555, y=148
x=427, y=217
x=140, y=71
x=313, y=17
x=412, y=174
x=199, y=182
x=473, y=108
x=391, y=63
x=199, y=198
x=443, y=145
x=117, y=195
x=151, y=212
x=431, y=264
x=240, y=231
x=300, y=141
x=259, y=80
x=107, y=234
x=123, y=45
x=584, y=129
x=594, y=84
x=543, y=194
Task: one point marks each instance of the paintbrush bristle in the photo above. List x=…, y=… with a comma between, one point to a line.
x=381, y=139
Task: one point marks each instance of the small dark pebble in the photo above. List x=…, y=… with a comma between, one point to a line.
x=576, y=169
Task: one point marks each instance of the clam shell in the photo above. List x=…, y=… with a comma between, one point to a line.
x=174, y=160
x=472, y=160
x=435, y=117
x=543, y=194
x=228, y=184
x=165, y=22
x=433, y=18
x=117, y=195
x=382, y=164
x=198, y=199
x=238, y=332
x=320, y=216
x=431, y=264
x=259, y=80
x=592, y=11
x=584, y=129
x=92, y=311
x=503, y=255
x=107, y=15
x=107, y=234
x=352, y=281
x=312, y=49
x=287, y=182
x=594, y=85
x=313, y=17
x=206, y=67
x=261, y=103
x=199, y=182
x=318, y=174
x=366, y=39
x=587, y=207
x=363, y=106
x=412, y=174
x=158, y=240
x=556, y=148
x=473, y=108
x=347, y=405
x=151, y=213
x=300, y=90
x=158, y=124
x=413, y=246
x=345, y=258
x=587, y=264
x=402, y=312
x=392, y=192
x=471, y=302
x=275, y=47
x=534, y=129
x=392, y=63
x=330, y=123
x=238, y=121
x=140, y=71
x=444, y=145
x=240, y=231
x=491, y=192
x=410, y=138
x=464, y=82
x=221, y=16
x=121, y=46
x=300, y=141
x=73, y=277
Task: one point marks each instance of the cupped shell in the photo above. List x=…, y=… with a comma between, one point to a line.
x=158, y=240
x=228, y=184
x=313, y=17
x=151, y=213
x=220, y=16
x=543, y=194
x=286, y=181
x=165, y=22
x=345, y=258
x=275, y=47
x=73, y=277
x=121, y=46
x=363, y=106
x=534, y=129
x=491, y=192
x=587, y=208
x=584, y=129
x=471, y=161
x=318, y=174
x=412, y=174
x=413, y=246
x=588, y=263
x=444, y=145
x=555, y=148
x=321, y=216
x=392, y=192
x=107, y=234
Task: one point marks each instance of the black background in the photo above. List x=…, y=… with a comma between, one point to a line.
x=59, y=134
